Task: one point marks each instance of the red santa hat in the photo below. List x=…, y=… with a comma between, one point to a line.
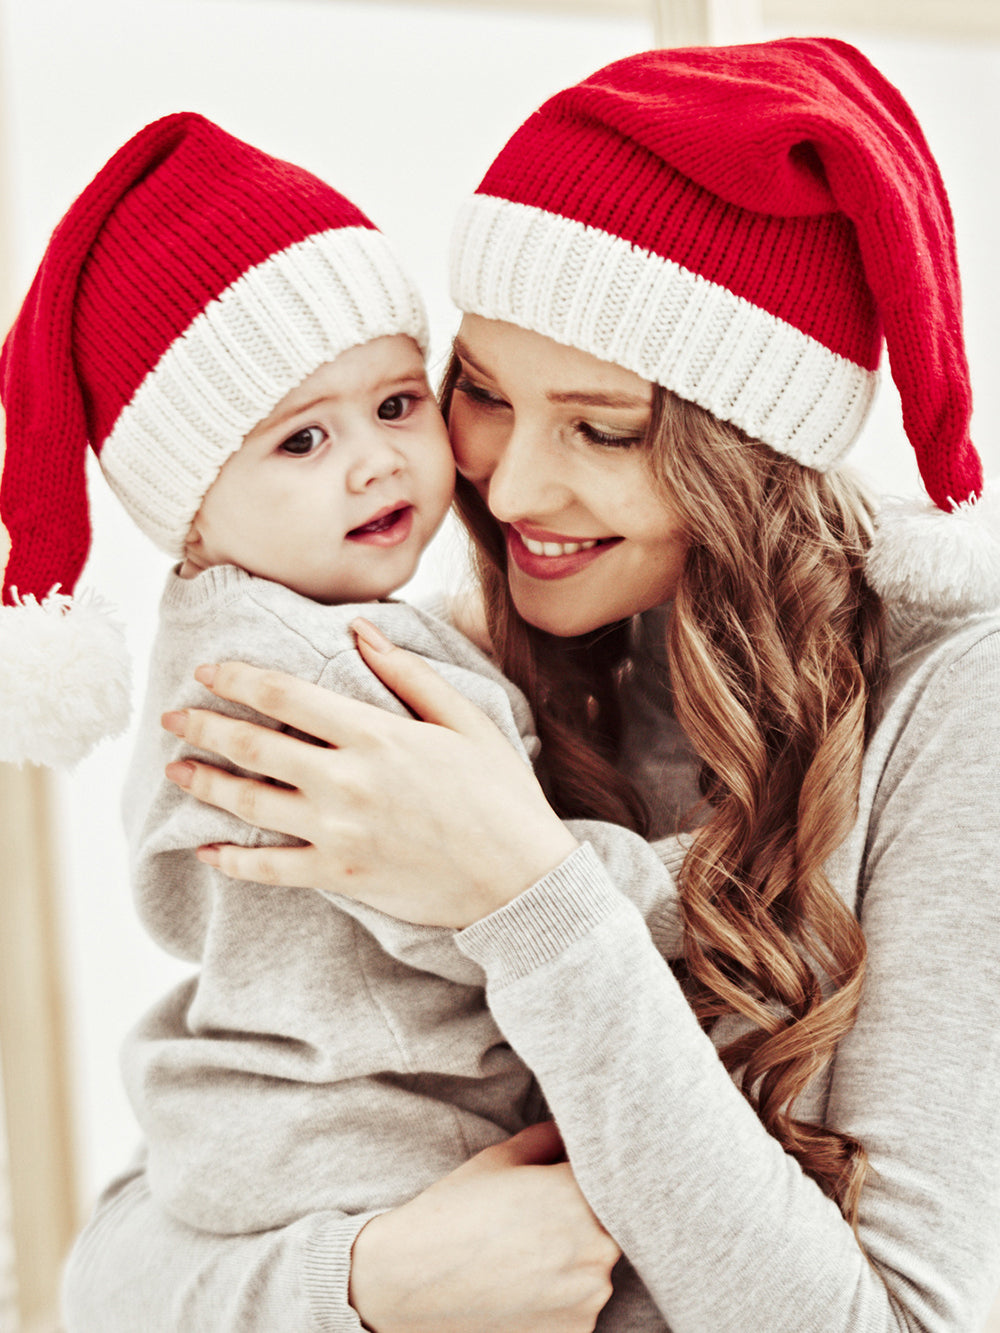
x=189, y=288
x=743, y=225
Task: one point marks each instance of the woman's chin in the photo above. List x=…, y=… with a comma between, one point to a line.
x=563, y=622
x=566, y=618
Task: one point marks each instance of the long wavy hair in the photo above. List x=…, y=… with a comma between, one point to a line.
x=776, y=657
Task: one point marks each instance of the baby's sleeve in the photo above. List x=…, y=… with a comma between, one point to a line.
x=135, y=1267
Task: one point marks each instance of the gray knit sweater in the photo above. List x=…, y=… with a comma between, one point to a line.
x=324, y=1056
x=723, y=1227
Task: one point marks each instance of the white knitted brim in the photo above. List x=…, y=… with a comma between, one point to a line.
x=593, y=291
x=238, y=359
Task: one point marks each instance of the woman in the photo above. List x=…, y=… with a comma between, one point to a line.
x=675, y=279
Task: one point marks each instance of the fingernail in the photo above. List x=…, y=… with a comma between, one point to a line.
x=180, y=772
x=206, y=674
x=374, y=638
x=209, y=853
x=175, y=723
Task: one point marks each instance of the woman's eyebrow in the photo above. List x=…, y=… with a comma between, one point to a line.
x=600, y=399
x=585, y=399
x=462, y=351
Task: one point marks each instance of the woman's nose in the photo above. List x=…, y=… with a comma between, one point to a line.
x=528, y=480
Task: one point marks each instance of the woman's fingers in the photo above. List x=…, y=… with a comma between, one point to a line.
x=282, y=867
x=309, y=708
x=258, y=803
x=501, y=1245
x=257, y=749
x=414, y=681
x=538, y=1145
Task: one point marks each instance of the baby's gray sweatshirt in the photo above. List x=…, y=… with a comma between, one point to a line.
x=324, y=1056
x=724, y=1228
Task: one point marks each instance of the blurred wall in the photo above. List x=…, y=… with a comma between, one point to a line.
x=400, y=106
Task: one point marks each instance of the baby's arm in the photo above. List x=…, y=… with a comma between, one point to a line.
x=135, y=1267
x=261, y=1085
x=272, y=1084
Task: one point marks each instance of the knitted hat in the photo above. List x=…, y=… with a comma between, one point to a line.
x=189, y=288
x=741, y=225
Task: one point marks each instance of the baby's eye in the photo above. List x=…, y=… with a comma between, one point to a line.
x=396, y=407
x=303, y=442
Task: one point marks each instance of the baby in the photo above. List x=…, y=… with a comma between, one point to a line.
x=247, y=358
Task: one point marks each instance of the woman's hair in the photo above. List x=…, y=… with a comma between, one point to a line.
x=775, y=653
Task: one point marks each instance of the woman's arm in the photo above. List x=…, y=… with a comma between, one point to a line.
x=441, y=1262
x=722, y=1226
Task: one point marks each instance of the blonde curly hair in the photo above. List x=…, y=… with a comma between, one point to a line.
x=776, y=655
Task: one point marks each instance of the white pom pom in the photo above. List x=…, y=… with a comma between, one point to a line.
x=65, y=680
x=944, y=563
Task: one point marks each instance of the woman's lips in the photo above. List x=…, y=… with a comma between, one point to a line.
x=554, y=557
x=389, y=527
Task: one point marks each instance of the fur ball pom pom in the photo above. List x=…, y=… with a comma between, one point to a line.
x=944, y=563
x=65, y=679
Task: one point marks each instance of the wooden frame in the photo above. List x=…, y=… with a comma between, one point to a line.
x=705, y=22
x=33, y=1049
x=961, y=20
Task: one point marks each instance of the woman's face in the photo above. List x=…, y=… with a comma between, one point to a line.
x=552, y=439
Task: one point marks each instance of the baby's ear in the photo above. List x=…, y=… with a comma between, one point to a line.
x=193, y=538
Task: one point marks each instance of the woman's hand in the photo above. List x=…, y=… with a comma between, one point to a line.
x=505, y=1244
x=438, y=825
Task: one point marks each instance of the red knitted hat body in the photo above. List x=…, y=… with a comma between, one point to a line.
x=220, y=207
x=749, y=220
x=566, y=164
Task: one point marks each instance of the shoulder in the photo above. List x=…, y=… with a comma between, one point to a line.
x=227, y=614
x=939, y=663
x=458, y=660
x=939, y=729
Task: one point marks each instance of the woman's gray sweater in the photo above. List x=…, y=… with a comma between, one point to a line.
x=723, y=1227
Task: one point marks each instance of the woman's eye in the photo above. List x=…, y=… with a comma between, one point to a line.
x=609, y=439
x=303, y=442
x=477, y=393
x=396, y=407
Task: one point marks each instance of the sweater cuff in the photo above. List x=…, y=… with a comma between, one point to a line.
x=538, y=925
x=327, y=1272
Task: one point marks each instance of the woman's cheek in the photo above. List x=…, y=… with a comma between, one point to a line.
x=475, y=441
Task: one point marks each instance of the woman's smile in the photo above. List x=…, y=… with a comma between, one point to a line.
x=552, y=556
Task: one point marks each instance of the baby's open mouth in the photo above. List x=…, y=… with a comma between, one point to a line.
x=382, y=523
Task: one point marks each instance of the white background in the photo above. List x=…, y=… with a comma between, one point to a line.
x=402, y=108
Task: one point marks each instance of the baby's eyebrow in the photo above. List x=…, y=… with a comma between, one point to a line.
x=304, y=407
x=399, y=377
x=276, y=421
x=414, y=372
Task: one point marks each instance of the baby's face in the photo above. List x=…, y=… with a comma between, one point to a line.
x=339, y=490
